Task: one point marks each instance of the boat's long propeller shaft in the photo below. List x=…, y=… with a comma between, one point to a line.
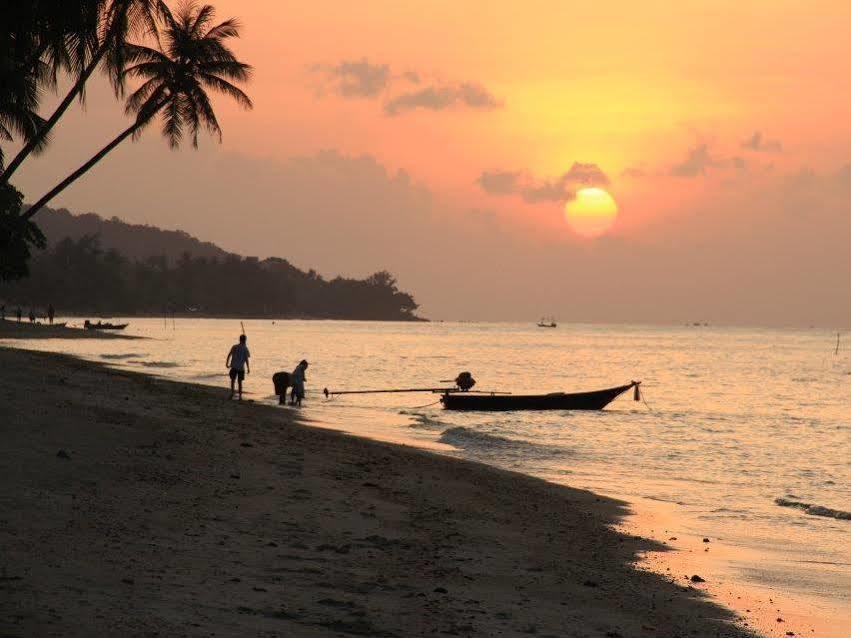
x=463, y=383
x=328, y=392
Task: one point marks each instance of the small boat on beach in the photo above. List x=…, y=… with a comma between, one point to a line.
x=595, y=400
x=104, y=325
x=545, y=323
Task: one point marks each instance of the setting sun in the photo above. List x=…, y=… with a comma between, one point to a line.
x=592, y=212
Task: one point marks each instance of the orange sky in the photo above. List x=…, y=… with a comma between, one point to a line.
x=669, y=92
x=618, y=84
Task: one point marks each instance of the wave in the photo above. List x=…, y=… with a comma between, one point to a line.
x=156, y=364
x=127, y=355
x=814, y=510
x=470, y=439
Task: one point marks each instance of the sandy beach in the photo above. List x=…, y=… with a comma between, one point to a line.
x=137, y=506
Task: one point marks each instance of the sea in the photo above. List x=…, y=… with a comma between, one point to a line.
x=742, y=436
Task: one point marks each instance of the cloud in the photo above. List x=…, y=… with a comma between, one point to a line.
x=441, y=97
x=634, y=172
x=586, y=174
x=356, y=78
x=760, y=144
x=696, y=163
x=499, y=182
x=844, y=175
x=546, y=191
x=534, y=190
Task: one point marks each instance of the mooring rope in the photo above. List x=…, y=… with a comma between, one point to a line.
x=427, y=405
x=641, y=396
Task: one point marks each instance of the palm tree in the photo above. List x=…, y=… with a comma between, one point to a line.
x=191, y=59
x=22, y=76
x=77, y=37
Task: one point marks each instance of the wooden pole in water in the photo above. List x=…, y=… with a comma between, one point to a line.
x=836, y=352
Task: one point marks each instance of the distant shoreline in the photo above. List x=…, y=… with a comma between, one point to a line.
x=12, y=329
x=197, y=315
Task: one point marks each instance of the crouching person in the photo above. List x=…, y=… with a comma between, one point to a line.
x=281, y=381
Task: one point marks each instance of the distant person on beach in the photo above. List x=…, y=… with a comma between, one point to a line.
x=51, y=312
x=3, y=312
x=297, y=378
x=18, y=312
x=237, y=362
x=32, y=315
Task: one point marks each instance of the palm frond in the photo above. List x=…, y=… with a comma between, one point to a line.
x=227, y=29
x=137, y=53
x=206, y=113
x=202, y=19
x=232, y=70
x=140, y=96
x=223, y=86
x=173, y=122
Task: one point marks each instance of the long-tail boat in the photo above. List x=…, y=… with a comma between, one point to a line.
x=463, y=397
x=595, y=400
x=104, y=325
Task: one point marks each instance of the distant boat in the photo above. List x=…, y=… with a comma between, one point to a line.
x=101, y=325
x=596, y=400
x=544, y=323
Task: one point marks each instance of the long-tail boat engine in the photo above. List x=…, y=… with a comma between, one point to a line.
x=465, y=381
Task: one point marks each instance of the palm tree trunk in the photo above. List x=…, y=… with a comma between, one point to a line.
x=73, y=177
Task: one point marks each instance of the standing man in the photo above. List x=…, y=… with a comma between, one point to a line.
x=51, y=312
x=18, y=313
x=237, y=362
x=297, y=378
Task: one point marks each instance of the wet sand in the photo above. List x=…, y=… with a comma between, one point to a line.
x=132, y=506
x=773, y=608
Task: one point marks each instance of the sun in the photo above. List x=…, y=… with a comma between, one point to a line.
x=592, y=212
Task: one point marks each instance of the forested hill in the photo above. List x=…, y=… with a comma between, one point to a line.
x=134, y=241
x=108, y=268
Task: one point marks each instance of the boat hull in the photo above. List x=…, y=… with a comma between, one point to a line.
x=596, y=400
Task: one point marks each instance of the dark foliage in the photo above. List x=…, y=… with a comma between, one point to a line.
x=18, y=236
x=78, y=276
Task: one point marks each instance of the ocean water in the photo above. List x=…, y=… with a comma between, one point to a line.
x=741, y=429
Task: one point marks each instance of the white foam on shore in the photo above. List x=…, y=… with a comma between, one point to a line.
x=473, y=440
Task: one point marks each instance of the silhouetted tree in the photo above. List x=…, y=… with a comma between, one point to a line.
x=192, y=60
x=41, y=39
x=78, y=276
x=17, y=236
x=77, y=37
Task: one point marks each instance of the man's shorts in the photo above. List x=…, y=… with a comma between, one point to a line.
x=237, y=374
